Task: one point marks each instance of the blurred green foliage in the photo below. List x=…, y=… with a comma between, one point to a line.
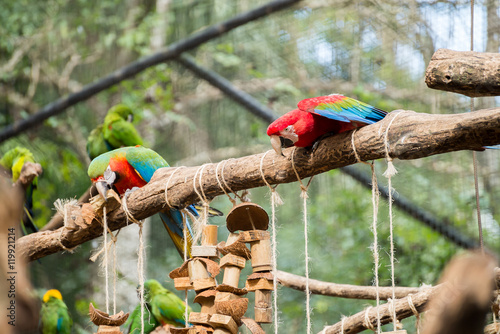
x=362, y=49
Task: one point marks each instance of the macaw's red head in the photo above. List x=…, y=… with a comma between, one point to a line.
x=118, y=174
x=295, y=126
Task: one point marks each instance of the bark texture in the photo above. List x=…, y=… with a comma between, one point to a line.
x=411, y=136
x=466, y=72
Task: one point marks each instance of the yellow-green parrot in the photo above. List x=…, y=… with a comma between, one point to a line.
x=13, y=161
x=166, y=307
x=55, y=318
x=116, y=131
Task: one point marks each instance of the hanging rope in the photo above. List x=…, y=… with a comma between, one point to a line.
x=275, y=200
x=375, y=205
x=474, y=154
x=168, y=183
x=201, y=222
x=415, y=312
x=304, y=196
x=391, y=171
x=63, y=206
x=140, y=255
x=367, y=323
x=105, y=235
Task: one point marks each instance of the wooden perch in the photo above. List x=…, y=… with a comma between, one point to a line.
x=342, y=290
x=466, y=72
x=411, y=136
x=357, y=323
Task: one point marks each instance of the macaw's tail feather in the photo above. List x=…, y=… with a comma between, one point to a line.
x=172, y=220
x=212, y=212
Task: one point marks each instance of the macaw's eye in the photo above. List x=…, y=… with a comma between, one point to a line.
x=289, y=128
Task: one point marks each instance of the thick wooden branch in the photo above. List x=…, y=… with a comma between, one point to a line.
x=466, y=72
x=357, y=323
x=342, y=290
x=411, y=136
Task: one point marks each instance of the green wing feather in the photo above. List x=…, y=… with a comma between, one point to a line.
x=134, y=321
x=96, y=145
x=166, y=306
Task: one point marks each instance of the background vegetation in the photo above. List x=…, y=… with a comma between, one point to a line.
x=375, y=51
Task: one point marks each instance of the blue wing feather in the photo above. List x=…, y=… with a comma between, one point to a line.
x=345, y=109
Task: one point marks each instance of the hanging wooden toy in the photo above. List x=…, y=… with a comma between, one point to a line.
x=107, y=324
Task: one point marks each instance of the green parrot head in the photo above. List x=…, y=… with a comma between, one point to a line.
x=14, y=160
x=121, y=111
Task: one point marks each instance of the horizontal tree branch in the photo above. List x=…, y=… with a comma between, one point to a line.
x=342, y=290
x=411, y=136
x=128, y=71
x=357, y=323
x=465, y=72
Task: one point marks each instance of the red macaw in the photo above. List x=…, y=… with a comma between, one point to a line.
x=320, y=116
x=134, y=166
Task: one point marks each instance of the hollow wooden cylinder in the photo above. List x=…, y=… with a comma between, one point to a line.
x=209, y=236
x=197, y=270
x=263, y=315
x=261, y=255
x=263, y=298
x=231, y=276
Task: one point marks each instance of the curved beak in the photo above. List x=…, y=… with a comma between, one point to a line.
x=276, y=144
x=104, y=184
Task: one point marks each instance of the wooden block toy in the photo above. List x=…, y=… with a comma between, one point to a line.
x=206, y=299
x=225, y=322
x=183, y=283
x=261, y=255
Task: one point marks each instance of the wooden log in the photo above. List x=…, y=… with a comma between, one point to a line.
x=183, y=283
x=411, y=136
x=465, y=72
x=209, y=236
x=261, y=255
x=223, y=321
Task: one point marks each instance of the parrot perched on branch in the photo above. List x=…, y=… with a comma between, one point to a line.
x=116, y=131
x=129, y=167
x=14, y=161
x=54, y=316
x=320, y=116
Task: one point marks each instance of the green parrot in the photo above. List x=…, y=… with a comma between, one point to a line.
x=13, y=161
x=134, y=321
x=166, y=307
x=55, y=318
x=116, y=131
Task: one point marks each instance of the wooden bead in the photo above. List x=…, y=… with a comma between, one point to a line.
x=263, y=298
x=199, y=318
x=103, y=329
x=231, y=276
x=204, y=251
x=259, y=284
x=232, y=260
x=224, y=321
x=183, y=283
x=263, y=315
x=204, y=283
x=197, y=270
x=261, y=255
x=254, y=235
x=209, y=236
